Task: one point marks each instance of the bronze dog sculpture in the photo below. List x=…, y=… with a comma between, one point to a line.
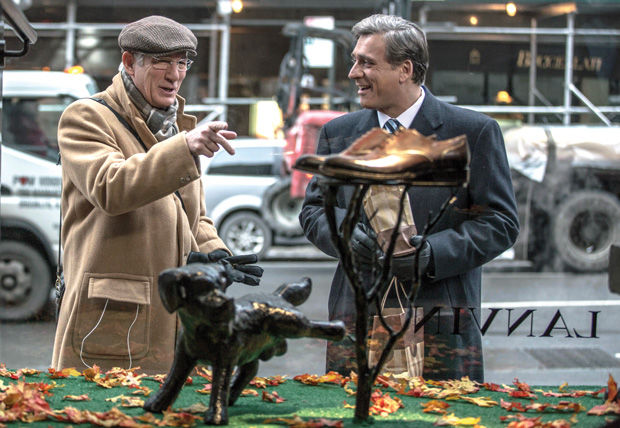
x=228, y=333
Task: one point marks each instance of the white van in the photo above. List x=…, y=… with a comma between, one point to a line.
x=32, y=102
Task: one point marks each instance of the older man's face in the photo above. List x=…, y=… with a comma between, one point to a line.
x=159, y=87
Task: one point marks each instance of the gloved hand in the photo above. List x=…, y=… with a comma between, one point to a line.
x=238, y=268
x=403, y=267
x=364, y=245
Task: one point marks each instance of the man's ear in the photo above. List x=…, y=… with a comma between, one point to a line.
x=406, y=71
x=129, y=61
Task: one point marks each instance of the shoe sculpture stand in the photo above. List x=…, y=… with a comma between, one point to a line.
x=404, y=158
x=228, y=333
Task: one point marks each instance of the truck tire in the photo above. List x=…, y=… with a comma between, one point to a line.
x=245, y=233
x=585, y=226
x=280, y=210
x=25, y=281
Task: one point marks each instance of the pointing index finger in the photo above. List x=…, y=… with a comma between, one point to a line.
x=226, y=144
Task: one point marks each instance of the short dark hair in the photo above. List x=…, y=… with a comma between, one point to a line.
x=403, y=40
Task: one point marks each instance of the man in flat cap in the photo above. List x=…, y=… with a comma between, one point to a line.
x=132, y=203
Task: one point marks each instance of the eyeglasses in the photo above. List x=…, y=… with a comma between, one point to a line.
x=165, y=63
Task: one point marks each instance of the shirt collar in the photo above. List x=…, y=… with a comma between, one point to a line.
x=406, y=117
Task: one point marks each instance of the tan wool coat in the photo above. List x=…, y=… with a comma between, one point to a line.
x=122, y=225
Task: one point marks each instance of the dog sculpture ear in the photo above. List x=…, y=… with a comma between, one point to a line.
x=169, y=283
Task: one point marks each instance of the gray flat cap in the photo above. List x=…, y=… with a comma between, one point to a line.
x=157, y=35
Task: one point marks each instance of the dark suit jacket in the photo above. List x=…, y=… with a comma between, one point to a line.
x=481, y=225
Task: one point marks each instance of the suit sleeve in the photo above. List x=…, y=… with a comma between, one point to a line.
x=491, y=226
x=312, y=216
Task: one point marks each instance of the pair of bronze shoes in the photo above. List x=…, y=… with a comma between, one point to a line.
x=405, y=157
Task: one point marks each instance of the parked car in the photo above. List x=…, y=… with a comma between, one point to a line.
x=234, y=188
x=32, y=102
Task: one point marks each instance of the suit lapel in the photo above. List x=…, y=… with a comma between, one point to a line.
x=368, y=121
x=429, y=118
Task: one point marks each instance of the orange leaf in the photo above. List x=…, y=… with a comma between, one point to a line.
x=612, y=389
x=182, y=419
x=307, y=379
x=435, y=406
x=83, y=397
x=206, y=389
x=383, y=404
x=127, y=401
x=510, y=405
x=605, y=409
x=274, y=397
x=298, y=422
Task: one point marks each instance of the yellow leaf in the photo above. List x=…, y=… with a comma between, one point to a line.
x=480, y=401
x=452, y=420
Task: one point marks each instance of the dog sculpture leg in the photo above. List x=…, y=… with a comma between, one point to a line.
x=181, y=368
x=218, y=405
x=244, y=375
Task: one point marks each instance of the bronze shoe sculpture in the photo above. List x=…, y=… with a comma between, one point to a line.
x=363, y=145
x=408, y=158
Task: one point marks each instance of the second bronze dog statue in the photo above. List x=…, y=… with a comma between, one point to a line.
x=228, y=333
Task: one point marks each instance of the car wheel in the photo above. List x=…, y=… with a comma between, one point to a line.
x=280, y=210
x=246, y=233
x=25, y=281
x=585, y=226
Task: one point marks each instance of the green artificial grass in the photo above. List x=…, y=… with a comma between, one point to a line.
x=308, y=402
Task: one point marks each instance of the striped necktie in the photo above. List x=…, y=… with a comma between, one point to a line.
x=392, y=125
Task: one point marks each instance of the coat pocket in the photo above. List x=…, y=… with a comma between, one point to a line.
x=111, y=311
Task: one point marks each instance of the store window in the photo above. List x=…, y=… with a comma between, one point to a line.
x=550, y=305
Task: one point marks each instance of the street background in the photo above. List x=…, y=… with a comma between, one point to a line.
x=530, y=358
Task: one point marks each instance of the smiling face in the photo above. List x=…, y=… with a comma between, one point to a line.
x=381, y=85
x=158, y=87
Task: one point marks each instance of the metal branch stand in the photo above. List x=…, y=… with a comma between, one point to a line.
x=380, y=279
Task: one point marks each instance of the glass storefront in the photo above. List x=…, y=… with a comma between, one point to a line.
x=550, y=309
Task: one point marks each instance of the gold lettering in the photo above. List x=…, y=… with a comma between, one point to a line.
x=557, y=62
x=577, y=65
x=474, y=57
x=524, y=58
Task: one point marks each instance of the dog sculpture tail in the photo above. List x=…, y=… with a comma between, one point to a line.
x=295, y=292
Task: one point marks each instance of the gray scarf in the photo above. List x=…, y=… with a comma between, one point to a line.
x=162, y=123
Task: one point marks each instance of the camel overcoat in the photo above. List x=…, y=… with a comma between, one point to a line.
x=122, y=225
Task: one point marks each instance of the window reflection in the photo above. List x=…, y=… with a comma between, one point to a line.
x=555, y=278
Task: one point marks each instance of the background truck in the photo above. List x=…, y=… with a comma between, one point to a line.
x=31, y=181
x=567, y=184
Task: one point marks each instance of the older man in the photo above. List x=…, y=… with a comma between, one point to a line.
x=390, y=61
x=132, y=203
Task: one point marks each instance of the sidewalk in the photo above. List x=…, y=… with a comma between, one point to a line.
x=310, y=252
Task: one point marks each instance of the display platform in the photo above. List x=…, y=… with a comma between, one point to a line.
x=113, y=398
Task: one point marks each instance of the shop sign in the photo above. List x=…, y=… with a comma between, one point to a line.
x=557, y=62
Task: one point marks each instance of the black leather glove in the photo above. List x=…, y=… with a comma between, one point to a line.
x=238, y=268
x=364, y=245
x=403, y=267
